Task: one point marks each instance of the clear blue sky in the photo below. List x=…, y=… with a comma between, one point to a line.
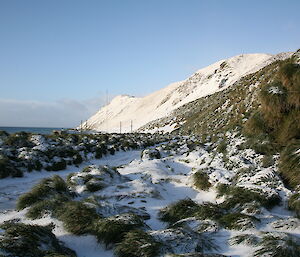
x=69, y=52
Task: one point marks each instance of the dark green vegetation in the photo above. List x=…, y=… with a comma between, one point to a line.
x=294, y=203
x=237, y=196
x=31, y=241
x=113, y=229
x=138, y=243
x=46, y=189
x=277, y=121
x=180, y=210
x=21, y=152
x=77, y=217
x=279, y=245
x=200, y=179
x=225, y=215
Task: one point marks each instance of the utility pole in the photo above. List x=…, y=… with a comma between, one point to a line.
x=81, y=126
x=131, y=126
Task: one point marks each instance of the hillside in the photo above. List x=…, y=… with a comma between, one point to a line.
x=137, y=111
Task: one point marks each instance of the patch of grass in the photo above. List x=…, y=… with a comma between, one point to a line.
x=247, y=239
x=8, y=169
x=209, y=211
x=179, y=210
x=289, y=163
x=112, y=230
x=137, y=243
x=57, y=166
x=31, y=240
x=47, y=206
x=294, y=204
x=47, y=188
x=237, y=196
x=267, y=161
x=279, y=245
x=200, y=180
x=222, y=146
x=237, y=221
x=77, y=217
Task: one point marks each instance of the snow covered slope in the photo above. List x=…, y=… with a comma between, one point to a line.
x=125, y=110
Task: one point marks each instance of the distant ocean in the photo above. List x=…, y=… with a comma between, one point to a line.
x=36, y=130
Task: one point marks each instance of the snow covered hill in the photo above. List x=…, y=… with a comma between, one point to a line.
x=133, y=112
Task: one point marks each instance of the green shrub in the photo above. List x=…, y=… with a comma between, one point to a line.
x=31, y=240
x=200, y=180
x=8, y=169
x=237, y=221
x=267, y=161
x=294, y=204
x=256, y=125
x=18, y=140
x=290, y=128
x=180, y=210
x=47, y=188
x=137, y=243
x=56, y=166
x=112, y=230
x=279, y=245
x=77, y=217
x=209, y=211
x=273, y=103
x=77, y=159
x=237, y=196
x=289, y=163
x=222, y=146
x=47, y=206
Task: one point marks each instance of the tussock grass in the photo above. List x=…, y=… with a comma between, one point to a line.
x=179, y=210
x=289, y=163
x=47, y=206
x=294, y=204
x=237, y=221
x=279, y=245
x=209, y=211
x=31, y=240
x=45, y=189
x=200, y=180
x=137, y=243
x=112, y=230
x=237, y=196
x=77, y=217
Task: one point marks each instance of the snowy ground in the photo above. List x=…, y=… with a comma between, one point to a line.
x=155, y=183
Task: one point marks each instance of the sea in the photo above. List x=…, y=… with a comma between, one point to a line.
x=36, y=130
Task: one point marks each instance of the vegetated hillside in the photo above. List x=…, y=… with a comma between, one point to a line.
x=221, y=111
x=134, y=112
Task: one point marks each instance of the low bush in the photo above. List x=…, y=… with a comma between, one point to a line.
x=57, y=166
x=237, y=196
x=77, y=217
x=112, y=230
x=8, y=169
x=237, y=221
x=289, y=163
x=209, y=211
x=177, y=211
x=294, y=204
x=46, y=189
x=137, y=243
x=200, y=180
x=31, y=240
x=278, y=245
x=47, y=206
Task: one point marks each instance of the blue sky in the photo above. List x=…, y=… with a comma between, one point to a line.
x=58, y=57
